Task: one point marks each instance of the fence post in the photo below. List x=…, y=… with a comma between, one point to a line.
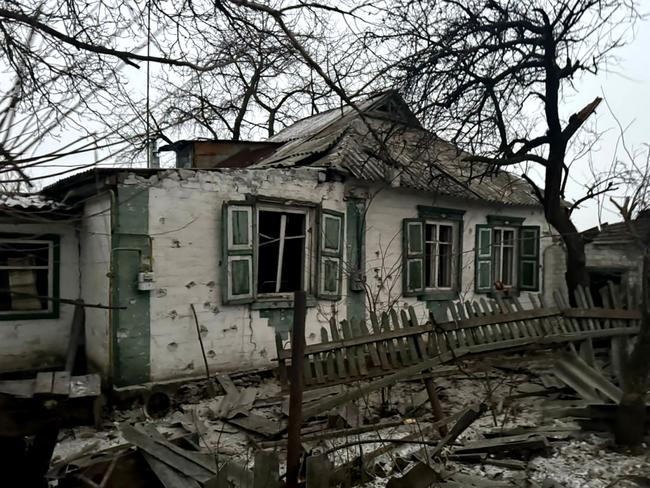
x=295, y=388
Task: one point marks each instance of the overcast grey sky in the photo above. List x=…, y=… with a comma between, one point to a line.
x=626, y=87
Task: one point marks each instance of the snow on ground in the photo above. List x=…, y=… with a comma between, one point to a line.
x=582, y=460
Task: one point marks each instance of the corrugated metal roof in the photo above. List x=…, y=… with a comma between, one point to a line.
x=619, y=233
x=28, y=202
x=408, y=156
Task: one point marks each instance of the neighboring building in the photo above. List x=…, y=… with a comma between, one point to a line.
x=359, y=225
x=613, y=256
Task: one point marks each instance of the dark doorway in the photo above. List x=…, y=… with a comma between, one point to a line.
x=599, y=277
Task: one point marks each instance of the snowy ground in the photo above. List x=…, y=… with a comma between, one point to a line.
x=582, y=460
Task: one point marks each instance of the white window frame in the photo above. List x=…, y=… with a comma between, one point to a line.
x=50, y=274
x=434, y=264
x=498, y=248
x=307, y=257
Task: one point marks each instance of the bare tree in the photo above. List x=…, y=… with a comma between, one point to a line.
x=491, y=76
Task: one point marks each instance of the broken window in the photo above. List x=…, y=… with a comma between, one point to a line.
x=26, y=275
x=281, y=251
x=269, y=252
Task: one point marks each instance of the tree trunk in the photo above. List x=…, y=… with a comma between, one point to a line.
x=576, y=261
x=631, y=413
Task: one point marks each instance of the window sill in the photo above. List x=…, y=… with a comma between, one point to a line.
x=438, y=296
x=271, y=304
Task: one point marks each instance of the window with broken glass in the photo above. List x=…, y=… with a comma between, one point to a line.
x=282, y=236
x=27, y=277
x=270, y=252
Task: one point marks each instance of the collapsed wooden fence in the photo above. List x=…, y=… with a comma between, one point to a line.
x=395, y=340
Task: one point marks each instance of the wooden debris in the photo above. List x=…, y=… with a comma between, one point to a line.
x=185, y=462
x=420, y=476
x=259, y=425
x=589, y=383
x=168, y=476
x=503, y=445
x=319, y=471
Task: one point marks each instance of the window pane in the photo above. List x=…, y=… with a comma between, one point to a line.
x=240, y=227
x=446, y=233
x=415, y=238
x=508, y=266
x=430, y=234
x=498, y=271
x=508, y=237
x=414, y=271
x=331, y=276
x=528, y=244
x=293, y=255
x=332, y=233
x=497, y=237
x=429, y=262
x=444, y=265
x=529, y=274
x=268, y=228
x=24, y=288
x=268, y=257
x=240, y=275
x=24, y=254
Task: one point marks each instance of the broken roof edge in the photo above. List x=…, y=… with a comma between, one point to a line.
x=185, y=142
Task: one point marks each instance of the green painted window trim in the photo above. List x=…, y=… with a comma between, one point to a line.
x=505, y=220
x=440, y=213
x=521, y=257
x=250, y=252
x=56, y=278
x=324, y=253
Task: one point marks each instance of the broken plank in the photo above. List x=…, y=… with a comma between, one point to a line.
x=329, y=403
x=85, y=386
x=226, y=383
x=319, y=471
x=505, y=444
x=61, y=383
x=43, y=385
x=169, y=454
x=168, y=476
x=18, y=388
x=266, y=470
x=232, y=475
x=258, y=425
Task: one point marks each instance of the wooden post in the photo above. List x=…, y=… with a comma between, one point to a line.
x=435, y=404
x=295, y=388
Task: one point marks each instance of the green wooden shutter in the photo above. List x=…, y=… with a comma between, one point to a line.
x=412, y=257
x=330, y=254
x=237, y=236
x=529, y=258
x=483, y=259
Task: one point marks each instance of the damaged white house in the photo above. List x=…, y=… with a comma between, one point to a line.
x=365, y=210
